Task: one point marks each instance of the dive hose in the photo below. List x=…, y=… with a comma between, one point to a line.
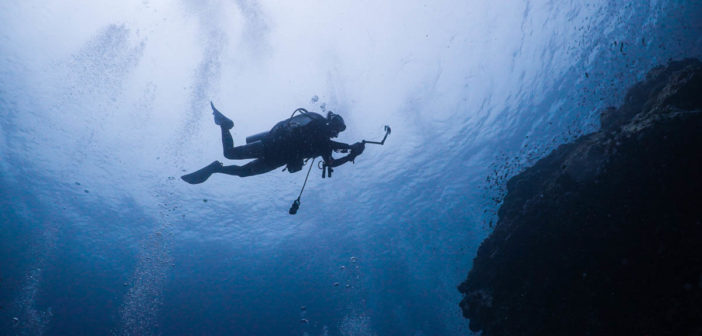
x=296, y=203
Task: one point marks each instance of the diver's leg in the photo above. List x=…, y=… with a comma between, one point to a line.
x=225, y=124
x=255, y=167
x=227, y=141
x=249, y=151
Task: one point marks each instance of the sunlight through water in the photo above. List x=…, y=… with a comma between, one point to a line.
x=105, y=104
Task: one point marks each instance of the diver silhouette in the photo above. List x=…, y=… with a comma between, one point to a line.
x=290, y=142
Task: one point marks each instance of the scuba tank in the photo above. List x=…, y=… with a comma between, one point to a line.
x=289, y=131
x=287, y=125
x=256, y=137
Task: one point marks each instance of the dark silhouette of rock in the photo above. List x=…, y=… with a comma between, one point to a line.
x=604, y=235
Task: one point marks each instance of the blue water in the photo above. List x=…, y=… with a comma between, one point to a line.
x=104, y=104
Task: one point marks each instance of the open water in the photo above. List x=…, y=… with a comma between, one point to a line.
x=104, y=104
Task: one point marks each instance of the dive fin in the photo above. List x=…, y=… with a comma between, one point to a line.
x=203, y=174
x=220, y=119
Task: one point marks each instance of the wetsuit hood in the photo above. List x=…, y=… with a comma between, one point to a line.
x=336, y=123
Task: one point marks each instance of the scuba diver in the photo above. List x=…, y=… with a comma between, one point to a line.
x=290, y=142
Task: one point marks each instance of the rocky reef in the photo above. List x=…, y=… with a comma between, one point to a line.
x=604, y=235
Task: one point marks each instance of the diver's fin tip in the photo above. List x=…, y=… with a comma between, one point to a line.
x=203, y=174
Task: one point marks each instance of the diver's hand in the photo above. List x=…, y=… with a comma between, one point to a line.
x=357, y=149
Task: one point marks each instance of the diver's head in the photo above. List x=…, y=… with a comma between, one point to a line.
x=336, y=124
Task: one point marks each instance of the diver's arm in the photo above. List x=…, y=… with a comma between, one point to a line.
x=339, y=145
x=332, y=162
x=356, y=149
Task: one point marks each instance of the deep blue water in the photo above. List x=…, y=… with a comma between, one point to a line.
x=104, y=104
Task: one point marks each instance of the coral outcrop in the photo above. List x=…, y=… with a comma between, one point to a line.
x=604, y=235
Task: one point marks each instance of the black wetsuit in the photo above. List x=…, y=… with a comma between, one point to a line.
x=301, y=137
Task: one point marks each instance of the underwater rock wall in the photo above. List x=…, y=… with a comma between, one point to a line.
x=604, y=235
